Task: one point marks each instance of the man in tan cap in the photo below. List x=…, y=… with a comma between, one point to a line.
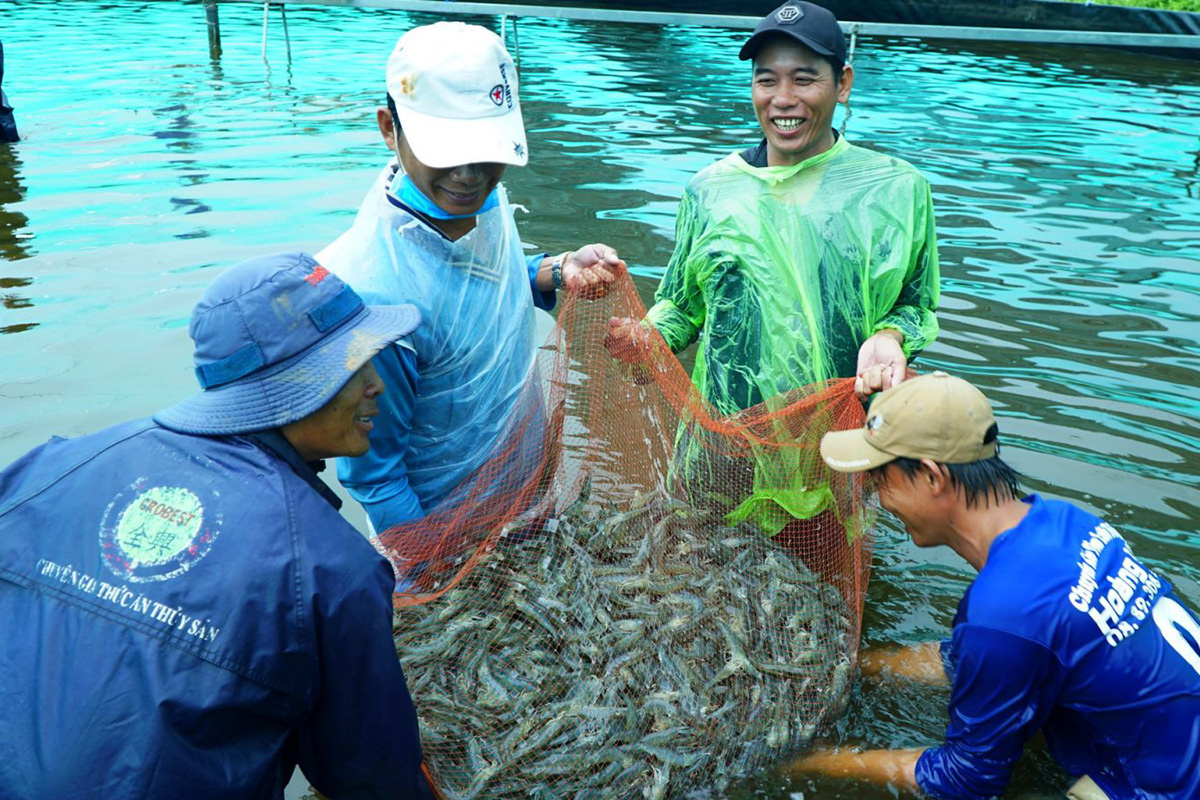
x=1063, y=631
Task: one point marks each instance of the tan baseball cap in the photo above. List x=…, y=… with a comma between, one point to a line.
x=935, y=416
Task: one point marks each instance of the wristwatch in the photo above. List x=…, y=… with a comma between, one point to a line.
x=556, y=269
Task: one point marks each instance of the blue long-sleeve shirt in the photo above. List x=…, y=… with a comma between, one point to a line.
x=379, y=479
x=465, y=386
x=1065, y=631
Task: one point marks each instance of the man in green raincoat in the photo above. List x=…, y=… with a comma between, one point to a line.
x=803, y=258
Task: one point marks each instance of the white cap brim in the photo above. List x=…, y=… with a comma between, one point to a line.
x=443, y=143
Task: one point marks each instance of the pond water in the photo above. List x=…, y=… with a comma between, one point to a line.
x=1066, y=183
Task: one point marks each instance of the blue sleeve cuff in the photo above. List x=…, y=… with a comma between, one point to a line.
x=543, y=300
x=925, y=771
x=946, y=648
x=951, y=773
x=399, y=508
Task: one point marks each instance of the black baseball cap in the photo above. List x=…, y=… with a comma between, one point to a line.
x=808, y=24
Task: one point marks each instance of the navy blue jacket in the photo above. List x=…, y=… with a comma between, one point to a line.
x=189, y=617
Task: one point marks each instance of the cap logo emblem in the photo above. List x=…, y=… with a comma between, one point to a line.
x=497, y=94
x=519, y=149
x=317, y=275
x=507, y=90
x=875, y=423
x=789, y=14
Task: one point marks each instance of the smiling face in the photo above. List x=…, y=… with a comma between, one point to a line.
x=342, y=426
x=457, y=190
x=795, y=94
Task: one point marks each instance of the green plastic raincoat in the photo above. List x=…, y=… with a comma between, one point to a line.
x=783, y=272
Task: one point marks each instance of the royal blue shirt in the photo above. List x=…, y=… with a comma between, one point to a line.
x=1064, y=630
x=189, y=617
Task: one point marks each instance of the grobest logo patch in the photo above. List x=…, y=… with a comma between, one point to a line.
x=155, y=533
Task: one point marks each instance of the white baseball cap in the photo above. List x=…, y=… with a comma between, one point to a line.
x=455, y=90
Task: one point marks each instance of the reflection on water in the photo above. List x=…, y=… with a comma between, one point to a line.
x=1066, y=183
x=13, y=237
x=12, y=191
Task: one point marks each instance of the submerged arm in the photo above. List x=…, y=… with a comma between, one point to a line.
x=922, y=663
x=894, y=768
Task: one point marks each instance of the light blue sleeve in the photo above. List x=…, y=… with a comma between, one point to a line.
x=542, y=300
x=379, y=479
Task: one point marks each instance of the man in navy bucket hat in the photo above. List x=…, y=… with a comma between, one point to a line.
x=186, y=613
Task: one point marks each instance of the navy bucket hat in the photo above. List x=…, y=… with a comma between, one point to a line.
x=277, y=337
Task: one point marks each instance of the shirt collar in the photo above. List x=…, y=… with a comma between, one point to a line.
x=757, y=156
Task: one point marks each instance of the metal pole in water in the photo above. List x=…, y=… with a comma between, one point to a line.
x=286, y=37
x=516, y=53
x=214, y=29
x=266, y=19
x=854, y=26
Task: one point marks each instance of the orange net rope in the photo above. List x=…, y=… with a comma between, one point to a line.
x=634, y=597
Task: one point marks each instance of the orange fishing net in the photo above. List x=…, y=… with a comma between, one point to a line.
x=650, y=601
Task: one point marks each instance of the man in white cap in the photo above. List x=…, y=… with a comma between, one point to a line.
x=1064, y=630
x=436, y=230
x=186, y=614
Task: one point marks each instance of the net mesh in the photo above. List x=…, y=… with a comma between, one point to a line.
x=631, y=607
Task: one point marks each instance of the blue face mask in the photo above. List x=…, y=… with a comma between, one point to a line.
x=408, y=194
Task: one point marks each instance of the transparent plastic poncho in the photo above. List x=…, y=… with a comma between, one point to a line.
x=474, y=345
x=782, y=273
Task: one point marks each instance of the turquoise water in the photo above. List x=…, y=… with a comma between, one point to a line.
x=1066, y=181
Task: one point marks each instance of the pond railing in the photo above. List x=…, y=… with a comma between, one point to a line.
x=854, y=29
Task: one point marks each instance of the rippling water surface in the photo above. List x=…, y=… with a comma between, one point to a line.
x=1066, y=181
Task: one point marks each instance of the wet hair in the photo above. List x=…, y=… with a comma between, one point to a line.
x=979, y=480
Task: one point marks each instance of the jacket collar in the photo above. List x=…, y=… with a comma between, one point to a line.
x=274, y=443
